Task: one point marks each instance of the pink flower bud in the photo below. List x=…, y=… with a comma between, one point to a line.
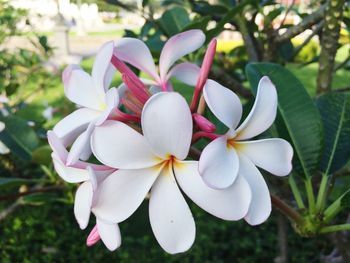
x=93, y=237
x=203, y=123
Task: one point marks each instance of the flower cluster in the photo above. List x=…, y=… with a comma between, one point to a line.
x=143, y=132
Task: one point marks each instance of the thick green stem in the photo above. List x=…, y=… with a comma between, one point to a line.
x=335, y=228
x=296, y=192
x=322, y=193
x=310, y=195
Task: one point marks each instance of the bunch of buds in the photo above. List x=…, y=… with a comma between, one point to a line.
x=142, y=134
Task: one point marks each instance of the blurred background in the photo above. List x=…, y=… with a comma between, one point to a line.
x=38, y=38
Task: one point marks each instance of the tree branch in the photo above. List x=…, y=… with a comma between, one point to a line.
x=306, y=23
x=286, y=209
x=329, y=45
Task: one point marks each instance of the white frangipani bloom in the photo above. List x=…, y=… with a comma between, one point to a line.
x=231, y=155
x=84, y=173
x=155, y=162
x=3, y=148
x=137, y=54
x=96, y=101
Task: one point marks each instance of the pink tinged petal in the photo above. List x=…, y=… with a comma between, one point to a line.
x=66, y=74
x=273, y=155
x=81, y=148
x=224, y=103
x=218, y=164
x=80, y=89
x=167, y=124
x=171, y=219
x=177, y=47
x=121, y=193
x=93, y=237
x=57, y=146
x=203, y=123
x=102, y=70
x=110, y=234
x=260, y=206
x=263, y=112
x=231, y=203
x=69, y=128
x=185, y=72
x=117, y=145
x=136, y=53
x=69, y=174
x=112, y=101
x=82, y=204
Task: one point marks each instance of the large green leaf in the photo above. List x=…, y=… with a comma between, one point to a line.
x=335, y=113
x=18, y=137
x=174, y=20
x=298, y=119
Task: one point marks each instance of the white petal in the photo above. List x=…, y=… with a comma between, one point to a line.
x=185, y=72
x=260, y=206
x=103, y=70
x=171, y=219
x=263, y=112
x=231, y=203
x=82, y=204
x=81, y=148
x=121, y=193
x=177, y=47
x=117, y=145
x=218, y=164
x=69, y=128
x=136, y=53
x=167, y=124
x=80, y=89
x=78, y=173
x=273, y=155
x=224, y=103
x=109, y=233
x=69, y=174
x=112, y=101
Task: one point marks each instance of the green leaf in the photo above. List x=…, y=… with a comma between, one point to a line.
x=10, y=182
x=18, y=137
x=174, y=20
x=335, y=113
x=199, y=23
x=39, y=198
x=230, y=15
x=298, y=119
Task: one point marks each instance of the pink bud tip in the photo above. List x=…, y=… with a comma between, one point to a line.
x=93, y=237
x=203, y=123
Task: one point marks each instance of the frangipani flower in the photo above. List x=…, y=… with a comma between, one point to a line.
x=136, y=53
x=83, y=173
x=96, y=101
x=231, y=155
x=155, y=162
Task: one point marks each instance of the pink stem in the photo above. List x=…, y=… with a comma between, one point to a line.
x=124, y=117
x=131, y=106
x=201, y=134
x=203, y=73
